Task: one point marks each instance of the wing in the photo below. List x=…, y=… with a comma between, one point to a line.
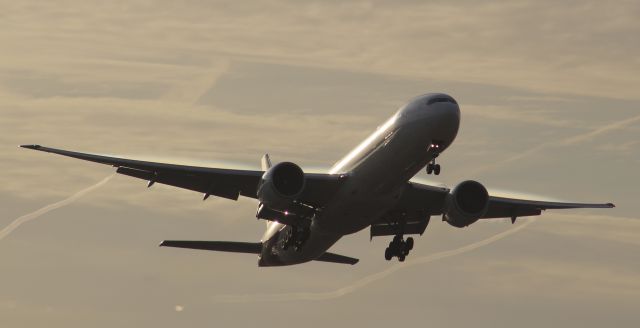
x=227, y=183
x=500, y=207
x=419, y=201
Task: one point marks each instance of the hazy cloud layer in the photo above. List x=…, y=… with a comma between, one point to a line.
x=549, y=100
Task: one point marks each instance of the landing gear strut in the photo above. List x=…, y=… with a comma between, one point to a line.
x=399, y=248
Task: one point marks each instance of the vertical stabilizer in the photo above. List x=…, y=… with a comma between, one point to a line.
x=266, y=162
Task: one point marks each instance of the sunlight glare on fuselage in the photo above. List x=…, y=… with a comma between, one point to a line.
x=363, y=146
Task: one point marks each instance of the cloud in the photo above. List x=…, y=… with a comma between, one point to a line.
x=612, y=229
x=127, y=78
x=36, y=214
x=505, y=113
x=579, y=48
x=569, y=141
x=615, y=126
x=571, y=277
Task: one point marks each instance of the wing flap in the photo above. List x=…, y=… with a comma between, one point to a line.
x=394, y=228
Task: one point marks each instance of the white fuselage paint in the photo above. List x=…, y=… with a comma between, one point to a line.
x=377, y=171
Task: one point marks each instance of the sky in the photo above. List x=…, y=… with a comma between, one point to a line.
x=550, y=108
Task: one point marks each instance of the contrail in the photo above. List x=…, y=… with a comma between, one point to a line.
x=601, y=130
x=320, y=296
x=34, y=215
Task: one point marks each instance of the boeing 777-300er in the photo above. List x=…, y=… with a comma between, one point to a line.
x=370, y=187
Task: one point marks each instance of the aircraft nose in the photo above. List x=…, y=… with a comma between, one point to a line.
x=447, y=112
x=444, y=122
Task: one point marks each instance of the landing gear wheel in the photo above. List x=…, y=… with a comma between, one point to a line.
x=432, y=167
x=409, y=244
x=399, y=248
x=388, y=254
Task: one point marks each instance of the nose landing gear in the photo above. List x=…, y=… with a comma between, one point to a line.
x=432, y=167
x=399, y=248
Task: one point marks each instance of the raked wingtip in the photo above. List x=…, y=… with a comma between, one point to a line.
x=31, y=146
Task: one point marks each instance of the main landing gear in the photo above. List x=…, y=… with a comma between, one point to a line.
x=399, y=248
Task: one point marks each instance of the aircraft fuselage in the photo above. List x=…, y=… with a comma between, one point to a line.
x=377, y=172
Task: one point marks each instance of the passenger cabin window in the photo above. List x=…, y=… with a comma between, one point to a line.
x=441, y=99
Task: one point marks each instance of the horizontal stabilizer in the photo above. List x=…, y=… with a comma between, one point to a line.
x=242, y=247
x=336, y=258
x=221, y=246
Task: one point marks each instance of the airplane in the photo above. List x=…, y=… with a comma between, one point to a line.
x=371, y=187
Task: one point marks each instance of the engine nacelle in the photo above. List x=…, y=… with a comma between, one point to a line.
x=280, y=185
x=466, y=204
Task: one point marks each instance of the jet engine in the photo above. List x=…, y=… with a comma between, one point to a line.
x=466, y=204
x=280, y=185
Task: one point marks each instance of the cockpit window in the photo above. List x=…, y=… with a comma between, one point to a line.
x=441, y=99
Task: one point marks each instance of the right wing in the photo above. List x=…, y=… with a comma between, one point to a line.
x=227, y=183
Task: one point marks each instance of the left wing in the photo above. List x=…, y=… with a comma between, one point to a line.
x=227, y=183
x=419, y=201
x=501, y=207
